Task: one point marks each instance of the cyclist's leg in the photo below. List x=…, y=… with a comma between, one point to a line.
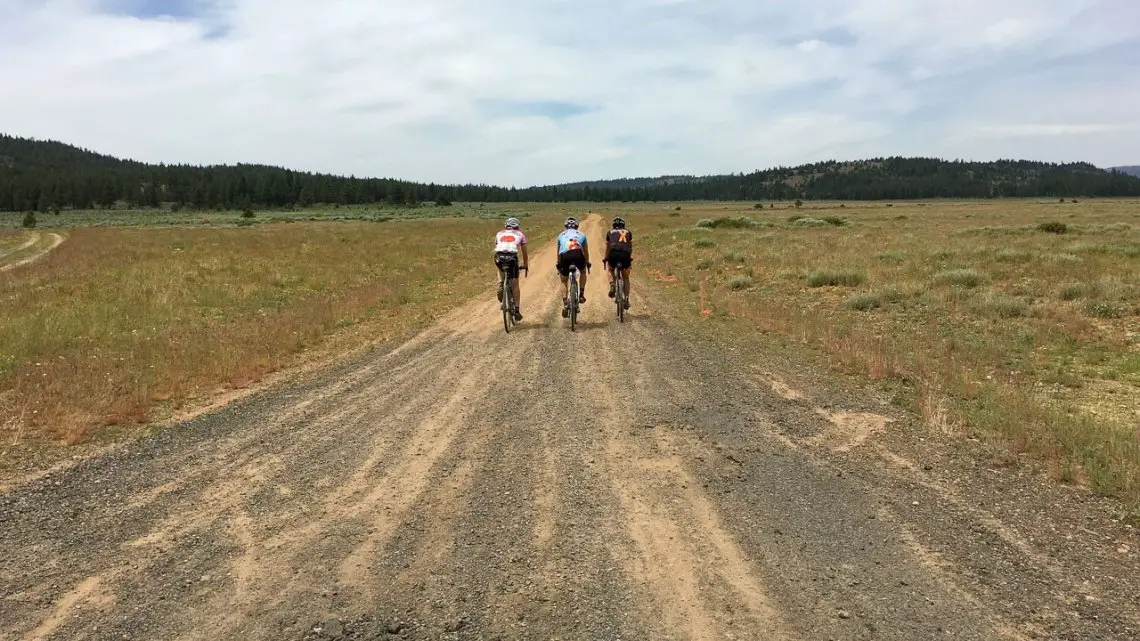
x=582, y=279
x=625, y=284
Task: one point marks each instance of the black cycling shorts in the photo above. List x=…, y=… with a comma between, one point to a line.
x=621, y=260
x=572, y=257
x=510, y=261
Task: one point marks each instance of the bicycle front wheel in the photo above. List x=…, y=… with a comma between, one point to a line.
x=573, y=305
x=508, y=316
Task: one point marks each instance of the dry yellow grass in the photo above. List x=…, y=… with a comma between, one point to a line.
x=999, y=327
x=117, y=324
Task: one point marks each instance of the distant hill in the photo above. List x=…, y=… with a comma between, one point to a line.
x=39, y=174
x=1131, y=170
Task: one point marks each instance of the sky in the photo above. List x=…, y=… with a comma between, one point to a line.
x=524, y=92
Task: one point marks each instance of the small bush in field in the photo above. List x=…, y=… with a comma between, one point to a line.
x=734, y=256
x=1103, y=309
x=704, y=264
x=1000, y=305
x=1073, y=291
x=740, y=222
x=740, y=282
x=967, y=278
x=864, y=302
x=1053, y=227
x=704, y=242
x=835, y=278
x=29, y=219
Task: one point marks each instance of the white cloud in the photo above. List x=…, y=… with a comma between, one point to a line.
x=425, y=90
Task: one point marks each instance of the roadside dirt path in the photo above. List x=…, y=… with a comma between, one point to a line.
x=56, y=241
x=621, y=482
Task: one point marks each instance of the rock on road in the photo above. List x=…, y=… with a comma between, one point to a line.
x=618, y=482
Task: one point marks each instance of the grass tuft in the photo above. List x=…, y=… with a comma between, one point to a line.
x=739, y=222
x=967, y=278
x=864, y=302
x=835, y=278
x=891, y=257
x=738, y=283
x=999, y=305
x=1105, y=309
x=704, y=242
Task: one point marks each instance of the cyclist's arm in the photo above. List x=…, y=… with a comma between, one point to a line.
x=525, y=257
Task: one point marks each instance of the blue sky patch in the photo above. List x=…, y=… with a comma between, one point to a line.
x=152, y=9
x=553, y=109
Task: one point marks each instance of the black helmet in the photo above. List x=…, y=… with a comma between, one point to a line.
x=571, y=223
x=619, y=223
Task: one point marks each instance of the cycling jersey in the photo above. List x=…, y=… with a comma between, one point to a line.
x=571, y=240
x=620, y=240
x=509, y=241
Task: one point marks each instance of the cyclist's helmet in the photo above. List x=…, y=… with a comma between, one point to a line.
x=571, y=223
x=619, y=223
x=512, y=223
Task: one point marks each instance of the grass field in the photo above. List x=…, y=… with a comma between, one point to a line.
x=1016, y=322
x=119, y=326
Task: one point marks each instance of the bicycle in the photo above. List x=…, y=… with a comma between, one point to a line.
x=572, y=301
x=619, y=292
x=506, y=289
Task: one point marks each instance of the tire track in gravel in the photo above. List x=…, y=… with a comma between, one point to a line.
x=616, y=482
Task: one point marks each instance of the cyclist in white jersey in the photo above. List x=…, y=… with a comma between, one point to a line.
x=509, y=243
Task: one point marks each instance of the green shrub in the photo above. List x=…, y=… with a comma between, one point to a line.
x=894, y=257
x=835, y=278
x=704, y=242
x=1012, y=255
x=809, y=221
x=1104, y=309
x=247, y=213
x=1053, y=227
x=863, y=302
x=1073, y=291
x=740, y=222
x=705, y=264
x=29, y=220
x=967, y=278
x=740, y=282
x=835, y=220
x=734, y=256
x=1000, y=305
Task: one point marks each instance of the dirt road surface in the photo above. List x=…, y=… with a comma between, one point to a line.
x=626, y=481
x=56, y=241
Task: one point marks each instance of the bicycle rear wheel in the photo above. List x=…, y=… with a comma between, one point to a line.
x=619, y=295
x=508, y=305
x=573, y=302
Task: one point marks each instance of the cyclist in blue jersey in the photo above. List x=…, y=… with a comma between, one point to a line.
x=573, y=249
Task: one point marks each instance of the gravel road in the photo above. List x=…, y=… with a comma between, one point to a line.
x=621, y=482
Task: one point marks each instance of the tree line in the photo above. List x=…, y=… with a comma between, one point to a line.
x=40, y=175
